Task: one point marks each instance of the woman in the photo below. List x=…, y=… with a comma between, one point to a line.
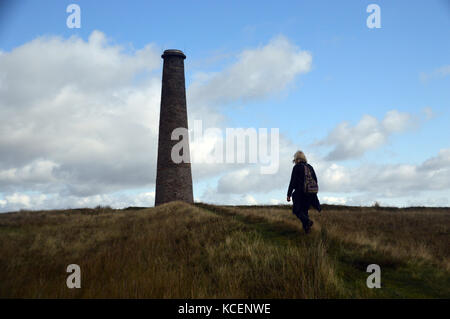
x=302, y=198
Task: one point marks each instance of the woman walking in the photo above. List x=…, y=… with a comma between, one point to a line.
x=303, y=189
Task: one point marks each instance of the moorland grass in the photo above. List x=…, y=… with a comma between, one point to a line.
x=178, y=250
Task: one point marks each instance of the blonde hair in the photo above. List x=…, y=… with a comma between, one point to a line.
x=299, y=156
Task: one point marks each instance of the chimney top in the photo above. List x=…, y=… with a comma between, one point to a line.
x=173, y=52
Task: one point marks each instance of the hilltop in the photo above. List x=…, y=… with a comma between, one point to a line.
x=178, y=250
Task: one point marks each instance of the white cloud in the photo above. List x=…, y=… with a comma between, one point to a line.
x=250, y=200
x=75, y=119
x=245, y=178
x=349, y=185
x=439, y=162
x=39, y=171
x=369, y=133
x=210, y=195
x=79, y=119
x=334, y=200
x=40, y=69
x=79, y=125
x=388, y=180
x=257, y=73
x=395, y=121
x=274, y=201
x=17, y=201
x=440, y=72
x=428, y=111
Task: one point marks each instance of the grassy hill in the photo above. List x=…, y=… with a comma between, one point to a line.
x=179, y=250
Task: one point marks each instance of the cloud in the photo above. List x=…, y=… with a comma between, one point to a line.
x=256, y=74
x=437, y=163
x=340, y=184
x=250, y=200
x=369, y=133
x=39, y=171
x=334, y=200
x=79, y=127
x=17, y=201
x=210, y=195
x=440, y=72
x=388, y=180
x=274, y=201
x=74, y=117
x=428, y=112
x=79, y=119
x=39, y=70
x=247, y=178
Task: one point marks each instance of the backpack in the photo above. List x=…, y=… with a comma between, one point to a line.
x=310, y=185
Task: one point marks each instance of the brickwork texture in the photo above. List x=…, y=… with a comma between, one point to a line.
x=173, y=181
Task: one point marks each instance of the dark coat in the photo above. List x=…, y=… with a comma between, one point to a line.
x=296, y=188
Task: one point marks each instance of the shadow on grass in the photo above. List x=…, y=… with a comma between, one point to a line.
x=401, y=278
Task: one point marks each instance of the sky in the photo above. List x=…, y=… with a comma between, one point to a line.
x=370, y=107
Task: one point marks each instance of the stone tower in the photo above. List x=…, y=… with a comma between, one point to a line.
x=173, y=181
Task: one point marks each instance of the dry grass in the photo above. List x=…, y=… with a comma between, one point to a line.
x=414, y=234
x=178, y=250
x=417, y=234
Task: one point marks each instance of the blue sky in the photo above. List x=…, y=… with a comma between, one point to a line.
x=355, y=71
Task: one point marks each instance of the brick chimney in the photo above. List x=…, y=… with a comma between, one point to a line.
x=173, y=181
